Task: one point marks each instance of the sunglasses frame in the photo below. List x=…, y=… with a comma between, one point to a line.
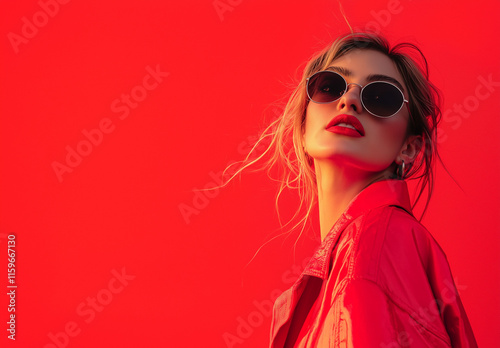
x=360, y=93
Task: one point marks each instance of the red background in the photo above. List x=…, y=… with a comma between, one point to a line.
x=120, y=207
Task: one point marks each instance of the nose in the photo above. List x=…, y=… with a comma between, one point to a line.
x=350, y=100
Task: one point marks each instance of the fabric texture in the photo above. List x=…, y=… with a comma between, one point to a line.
x=378, y=279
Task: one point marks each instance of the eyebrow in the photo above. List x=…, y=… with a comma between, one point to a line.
x=370, y=78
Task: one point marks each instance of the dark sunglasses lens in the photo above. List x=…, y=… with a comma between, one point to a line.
x=382, y=99
x=326, y=87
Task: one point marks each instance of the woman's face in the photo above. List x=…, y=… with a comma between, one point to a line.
x=383, y=138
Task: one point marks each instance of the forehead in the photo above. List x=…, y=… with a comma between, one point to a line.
x=364, y=63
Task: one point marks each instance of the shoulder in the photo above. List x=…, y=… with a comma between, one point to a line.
x=395, y=242
x=405, y=232
x=399, y=229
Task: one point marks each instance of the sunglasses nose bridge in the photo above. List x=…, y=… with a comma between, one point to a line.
x=352, y=99
x=348, y=88
x=356, y=84
x=348, y=85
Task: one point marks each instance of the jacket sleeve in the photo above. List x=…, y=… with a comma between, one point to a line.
x=369, y=317
x=451, y=310
x=410, y=300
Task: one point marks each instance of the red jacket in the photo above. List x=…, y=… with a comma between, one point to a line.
x=390, y=283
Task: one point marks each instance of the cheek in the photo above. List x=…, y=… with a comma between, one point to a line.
x=310, y=124
x=391, y=135
x=317, y=117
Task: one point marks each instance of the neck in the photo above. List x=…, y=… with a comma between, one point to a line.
x=337, y=186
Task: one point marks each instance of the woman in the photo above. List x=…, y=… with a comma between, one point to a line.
x=362, y=121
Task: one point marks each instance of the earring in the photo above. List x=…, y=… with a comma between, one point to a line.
x=402, y=175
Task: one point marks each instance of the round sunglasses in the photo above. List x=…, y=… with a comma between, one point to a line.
x=379, y=98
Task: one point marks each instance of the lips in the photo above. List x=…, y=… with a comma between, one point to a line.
x=342, y=124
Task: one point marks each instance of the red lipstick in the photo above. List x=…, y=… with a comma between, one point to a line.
x=346, y=125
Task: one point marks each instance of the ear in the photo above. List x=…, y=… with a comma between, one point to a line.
x=410, y=149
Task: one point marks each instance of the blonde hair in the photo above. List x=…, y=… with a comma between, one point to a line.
x=285, y=150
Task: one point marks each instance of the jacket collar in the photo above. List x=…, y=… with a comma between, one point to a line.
x=378, y=194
